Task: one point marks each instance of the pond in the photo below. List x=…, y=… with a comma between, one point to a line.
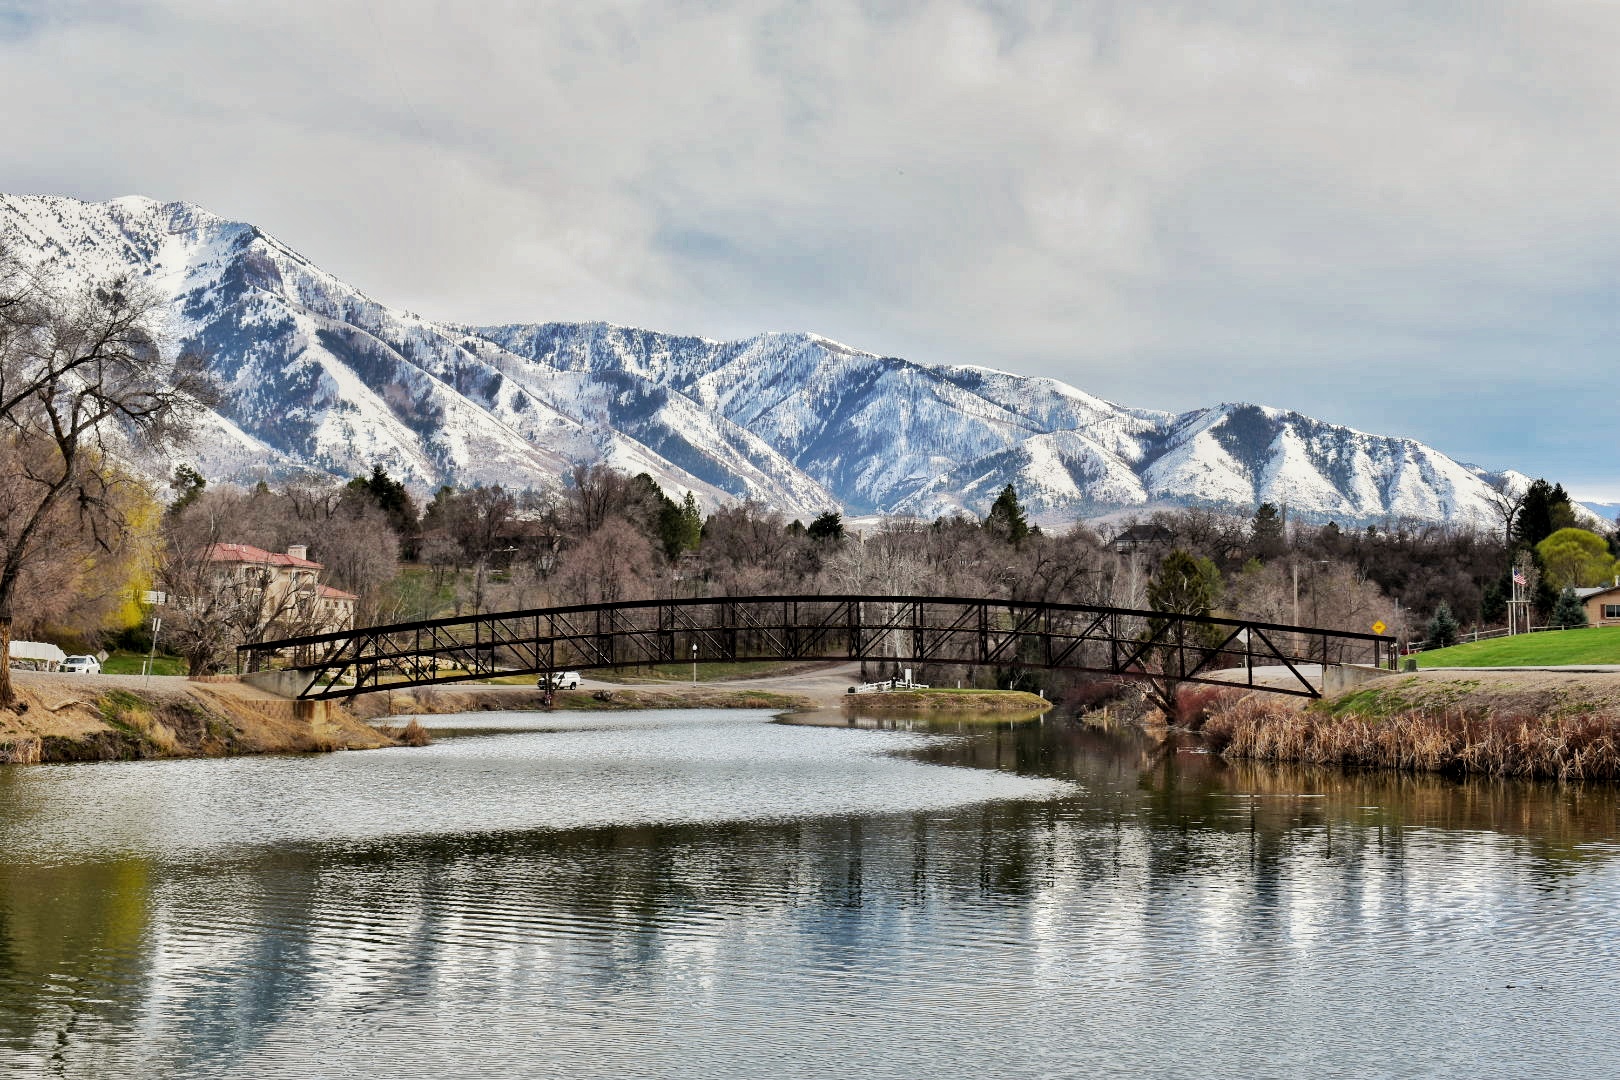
x=720, y=894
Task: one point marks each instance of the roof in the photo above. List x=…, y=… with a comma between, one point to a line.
x=247, y=553
x=326, y=592
x=1152, y=533
x=1582, y=594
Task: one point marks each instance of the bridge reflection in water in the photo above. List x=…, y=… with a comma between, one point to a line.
x=905, y=629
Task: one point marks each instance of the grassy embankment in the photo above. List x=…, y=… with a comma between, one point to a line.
x=997, y=706
x=1551, y=648
x=1552, y=725
x=78, y=718
x=128, y=663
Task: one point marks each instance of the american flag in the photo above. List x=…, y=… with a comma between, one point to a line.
x=1519, y=578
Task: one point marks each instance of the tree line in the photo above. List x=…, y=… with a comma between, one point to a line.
x=603, y=536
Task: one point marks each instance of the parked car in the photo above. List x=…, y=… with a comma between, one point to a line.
x=82, y=665
x=562, y=680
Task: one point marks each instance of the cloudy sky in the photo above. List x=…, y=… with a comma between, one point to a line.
x=1400, y=216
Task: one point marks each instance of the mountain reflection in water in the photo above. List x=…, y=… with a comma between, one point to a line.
x=746, y=898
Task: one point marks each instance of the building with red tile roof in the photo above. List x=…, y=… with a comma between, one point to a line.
x=291, y=587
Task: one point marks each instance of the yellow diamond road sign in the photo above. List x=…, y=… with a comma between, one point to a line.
x=1379, y=627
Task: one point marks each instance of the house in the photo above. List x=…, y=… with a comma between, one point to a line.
x=286, y=586
x=1151, y=536
x=1602, y=604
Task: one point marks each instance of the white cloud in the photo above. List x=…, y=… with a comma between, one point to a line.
x=1169, y=204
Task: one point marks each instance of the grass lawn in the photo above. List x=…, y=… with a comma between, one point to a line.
x=1589, y=645
x=128, y=663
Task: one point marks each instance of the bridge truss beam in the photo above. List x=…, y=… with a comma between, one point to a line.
x=902, y=629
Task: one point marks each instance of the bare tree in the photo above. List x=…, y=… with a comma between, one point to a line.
x=619, y=563
x=748, y=549
x=76, y=371
x=593, y=493
x=203, y=602
x=1505, y=498
x=74, y=584
x=360, y=551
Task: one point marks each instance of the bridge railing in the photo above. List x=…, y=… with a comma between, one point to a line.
x=910, y=630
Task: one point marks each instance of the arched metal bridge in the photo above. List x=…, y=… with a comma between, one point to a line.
x=901, y=629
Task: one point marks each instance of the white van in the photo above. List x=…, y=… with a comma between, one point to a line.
x=82, y=665
x=562, y=680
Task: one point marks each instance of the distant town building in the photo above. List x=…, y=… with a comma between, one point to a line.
x=1602, y=604
x=292, y=594
x=1146, y=537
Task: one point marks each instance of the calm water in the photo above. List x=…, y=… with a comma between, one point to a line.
x=713, y=894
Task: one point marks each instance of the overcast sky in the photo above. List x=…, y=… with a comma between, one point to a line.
x=1400, y=216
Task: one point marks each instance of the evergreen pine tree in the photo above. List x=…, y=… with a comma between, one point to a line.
x=1266, y=532
x=1442, y=629
x=827, y=528
x=1546, y=509
x=1182, y=585
x=391, y=497
x=1568, y=611
x=1006, y=518
x=187, y=483
x=691, y=523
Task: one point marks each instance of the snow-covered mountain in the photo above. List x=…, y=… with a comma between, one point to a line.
x=323, y=378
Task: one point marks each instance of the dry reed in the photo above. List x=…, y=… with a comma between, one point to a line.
x=21, y=750
x=1572, y=746
x=412, y=734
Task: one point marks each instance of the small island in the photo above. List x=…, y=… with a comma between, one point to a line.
x=998, y=703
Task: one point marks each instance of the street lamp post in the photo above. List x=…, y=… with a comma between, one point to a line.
x=694, y=663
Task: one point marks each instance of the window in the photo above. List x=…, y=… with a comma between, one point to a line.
x=1611, y=611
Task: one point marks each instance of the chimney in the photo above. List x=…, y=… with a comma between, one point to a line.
x=298, y=551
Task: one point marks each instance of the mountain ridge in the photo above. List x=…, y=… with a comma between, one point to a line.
x=323, y=378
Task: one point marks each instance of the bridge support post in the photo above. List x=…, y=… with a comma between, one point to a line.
x=1341, y=677
x=287, y=684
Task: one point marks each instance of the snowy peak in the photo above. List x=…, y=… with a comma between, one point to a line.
x=1244, y=454
x=323, y=378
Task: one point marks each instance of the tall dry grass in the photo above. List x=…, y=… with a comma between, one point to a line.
x=20, y=750
x=1583, y=746
x=412, y=734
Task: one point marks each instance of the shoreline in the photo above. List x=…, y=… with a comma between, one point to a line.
x=77, y=718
